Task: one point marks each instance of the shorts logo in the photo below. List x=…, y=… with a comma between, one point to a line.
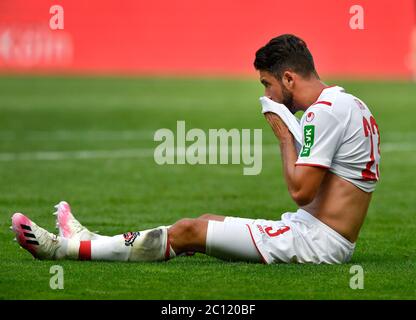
x=129, y=238
x=310, y=116
x=309, y=136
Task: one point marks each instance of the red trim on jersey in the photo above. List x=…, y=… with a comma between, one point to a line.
x=323, y=102
x=252, y=238
x=311, y=165
x=84, y=250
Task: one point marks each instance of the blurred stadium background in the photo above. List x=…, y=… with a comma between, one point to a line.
x=203, y=37
x=79, y=107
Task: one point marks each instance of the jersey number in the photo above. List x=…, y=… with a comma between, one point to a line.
x=371, y=129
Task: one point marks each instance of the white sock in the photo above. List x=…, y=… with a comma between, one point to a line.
x=147, y=245
x=89, y=235
x=69, y=249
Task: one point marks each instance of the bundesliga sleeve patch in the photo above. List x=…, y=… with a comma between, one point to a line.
x=309, y=135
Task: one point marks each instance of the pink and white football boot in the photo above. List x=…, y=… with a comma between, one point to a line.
x=69, y=227
x=38, y=241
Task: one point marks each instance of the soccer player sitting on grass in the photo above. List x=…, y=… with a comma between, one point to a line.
x=331, y=179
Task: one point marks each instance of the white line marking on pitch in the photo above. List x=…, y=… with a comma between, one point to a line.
x=127, y=135
x=147, y=153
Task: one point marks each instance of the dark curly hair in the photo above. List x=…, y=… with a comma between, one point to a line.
x=285, y=52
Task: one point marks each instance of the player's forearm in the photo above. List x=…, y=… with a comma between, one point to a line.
x=289, y=157
x=296, y=185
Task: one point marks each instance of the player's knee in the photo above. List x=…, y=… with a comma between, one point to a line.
x=185, y=228
x=185, y=236
x=206, y=216
x=210, y=216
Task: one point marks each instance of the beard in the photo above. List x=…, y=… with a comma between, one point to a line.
x=288, y=100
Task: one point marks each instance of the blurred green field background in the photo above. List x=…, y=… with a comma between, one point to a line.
x=89, y=141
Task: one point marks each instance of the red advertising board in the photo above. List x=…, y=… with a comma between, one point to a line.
x=203, y=37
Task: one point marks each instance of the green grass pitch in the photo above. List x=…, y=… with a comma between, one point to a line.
x=46, y=122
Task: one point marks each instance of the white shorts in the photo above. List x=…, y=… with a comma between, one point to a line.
x=297, y=238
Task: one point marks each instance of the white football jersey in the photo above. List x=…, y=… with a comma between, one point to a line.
x=340, y=133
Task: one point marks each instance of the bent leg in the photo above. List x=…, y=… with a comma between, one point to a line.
x=221, y=239
x=224, y=240
x=215, y=217
x=210, y=216
x=188, y=235
x=231, y=241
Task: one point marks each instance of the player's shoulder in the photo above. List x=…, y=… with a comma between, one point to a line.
x=335, y=101
x=324, y=105
x=332, y=97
